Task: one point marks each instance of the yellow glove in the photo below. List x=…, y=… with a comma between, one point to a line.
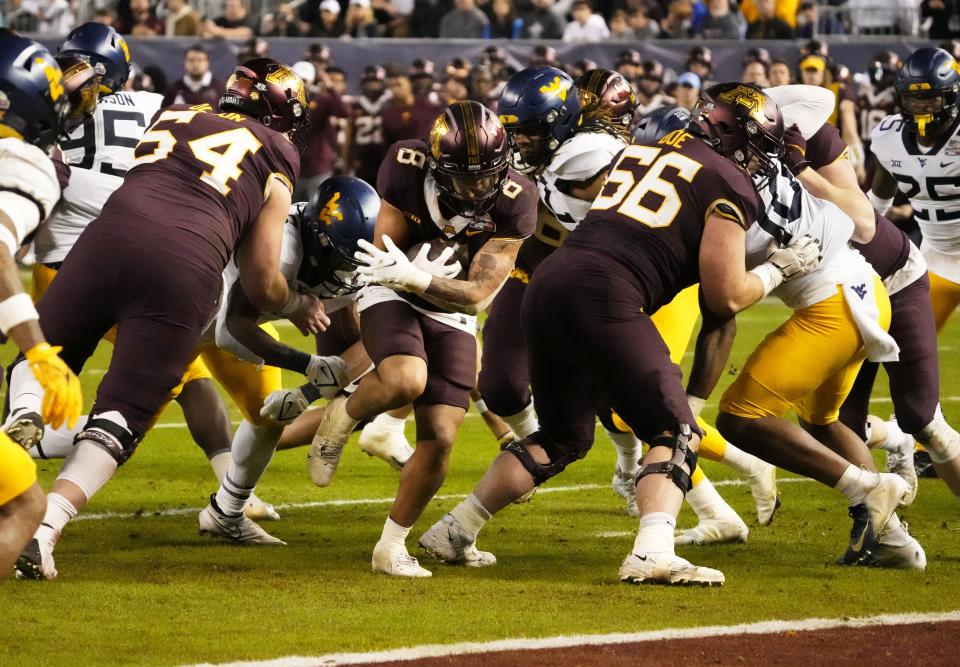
x=62, y=398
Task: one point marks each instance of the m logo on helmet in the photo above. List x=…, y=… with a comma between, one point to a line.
x=286, y=78
x=748, y=97
x=558, y=88
x=331, y=210
x=437, y=132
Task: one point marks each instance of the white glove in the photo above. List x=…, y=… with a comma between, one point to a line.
x=328, y=375
x=390, y=268
x=801, y=256
x=437, y=267
x=284, y=405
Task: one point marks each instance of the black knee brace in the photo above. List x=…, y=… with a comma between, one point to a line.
x=539, y=471
x=118, y=441
x=680, y=444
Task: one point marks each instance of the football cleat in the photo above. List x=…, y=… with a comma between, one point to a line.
x=861, y=536
x=257, y=510
x=884, y=499
x=923, y=465
x=763, y=488
x=24, y=428
x=625, y=484
x=447, y=541
x=237, y=529
x=325, y=451
x=36, y=562
x=667, y=569
x=900, y=463
x=897, y=549
x=385, y=444
x=714, y=530
x=393, y=559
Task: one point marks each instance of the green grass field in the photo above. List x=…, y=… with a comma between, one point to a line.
x=146, y=589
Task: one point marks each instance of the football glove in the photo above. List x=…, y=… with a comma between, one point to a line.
x=327, y=375
x=795, y=150
x=437, y=267
x=801, y=256
x=390, y=268
x=62, y=397
x=284, y=405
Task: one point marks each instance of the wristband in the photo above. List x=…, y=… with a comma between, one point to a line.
x=481, y=406
x=310, y=392
x=293, y=303
x=881, y=206
x=297, y=361
x=769, y=275
x=16, y=310
x=696, y=404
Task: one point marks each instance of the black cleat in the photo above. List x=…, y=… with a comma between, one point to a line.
x=923, y=464
x=862, y=537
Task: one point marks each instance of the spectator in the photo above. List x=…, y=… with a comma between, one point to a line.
x=405, y=116
x=328, y=23
x=458, y=68
x=284, y=21
x=482, y=88
x=586, y=27
x=541, y=22
x=422, y=81
x=197, y=86
x=810, y=21
x=721, y=22
x=504, y=22
x=20, y=18
x=234, y=23
x=629, y=64
x=767, y=25
x=687, y=91
x=464, y=21
x=620, y=29
x=780, y=74
x=786, y=10
x=944, y=17
x=542, y=56
x=182, y=19
x=105, y=16
x=454, y=89
x=360, y=22
x=141, y=21
x=757, y=72
x=650, y=94
x=423, y=21
x=393, y=16
x=700, y=62
x=642, y=25
x=322, y=149
x=677, y=24
x=814, y=72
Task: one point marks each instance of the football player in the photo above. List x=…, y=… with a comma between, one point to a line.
x=587, y=306
x=918, y=152
x=841, y=314
x=204, y=186
x=35, y=105
x=454, y=195
x=365, y=147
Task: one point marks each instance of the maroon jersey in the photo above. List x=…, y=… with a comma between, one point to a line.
x=873, y=106
x=649, y=217
x=198, y=183
x=367, y=148
x=405, y=183
x=322, y=147
x=398, y=122
x=889, y=248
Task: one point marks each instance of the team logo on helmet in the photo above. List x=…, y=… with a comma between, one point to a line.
x=284, y=76
x=437, y=132
x=122, y=43
x=558, y=88
x=54, y=78
x=331, y=210
x=749, y=97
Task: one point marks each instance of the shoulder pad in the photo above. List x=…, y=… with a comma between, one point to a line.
x=584, y=155
x=27, y=170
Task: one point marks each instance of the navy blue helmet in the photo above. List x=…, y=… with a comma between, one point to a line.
x=540, y=109
x=341, y=212
x=105, y=49
x=660, y=122
x=927, y=86
x=33, y=103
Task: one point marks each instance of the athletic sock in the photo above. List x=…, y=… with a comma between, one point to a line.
x=706, y=503
x=628, y=451
x=523, y=423
x=471, y=515
x=896, y=438
x=656, y=534
x=24, y=393
x=856, y=483
x=940, y=440
x=60, y=512
x=394, y=534
x=739, y=460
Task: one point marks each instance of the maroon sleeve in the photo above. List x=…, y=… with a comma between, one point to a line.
x=396, y=180
x=284, y=159
x=825, y=147
x=727, y=191
x=516, y=208
x=62, y=169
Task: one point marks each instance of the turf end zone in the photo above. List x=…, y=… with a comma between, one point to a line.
x=521, y=644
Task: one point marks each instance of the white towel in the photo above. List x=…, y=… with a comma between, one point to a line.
x=861, y=297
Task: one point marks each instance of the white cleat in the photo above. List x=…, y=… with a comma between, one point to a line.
x=625, y=484
x=325, y=451
x=763, y=488
x=667, y=569
x=897, y=549
x=36, y=562
x=257, y=510
x=714, y=530
x=883, y=500
x=900, y=463
x=385, y=444
x=395, y=560
x=447, y=541
x=238, y=529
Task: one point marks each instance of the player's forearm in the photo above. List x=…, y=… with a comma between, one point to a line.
x=26, y=334
x=246, y=339
x=713, y=346
x=854, y=204
x=462, y=296
x=734, y=295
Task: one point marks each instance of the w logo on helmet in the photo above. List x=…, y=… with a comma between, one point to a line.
x=558, y=88
x=748, y=97
x=54, y=78
x=331, y=210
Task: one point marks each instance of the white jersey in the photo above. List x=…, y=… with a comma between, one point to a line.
x=99, y=153
x=29, y=189
x=930, y=178
x=291, y=256
x=580, y=158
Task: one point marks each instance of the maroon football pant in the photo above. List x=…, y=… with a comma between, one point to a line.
x=159, y=304
x=591, y=345
x=915, y=378
x=504, y=380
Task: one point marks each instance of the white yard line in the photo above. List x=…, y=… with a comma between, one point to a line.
x=566, y=641
x=346, y=502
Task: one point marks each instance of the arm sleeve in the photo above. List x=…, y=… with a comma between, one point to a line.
x=808, y=107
